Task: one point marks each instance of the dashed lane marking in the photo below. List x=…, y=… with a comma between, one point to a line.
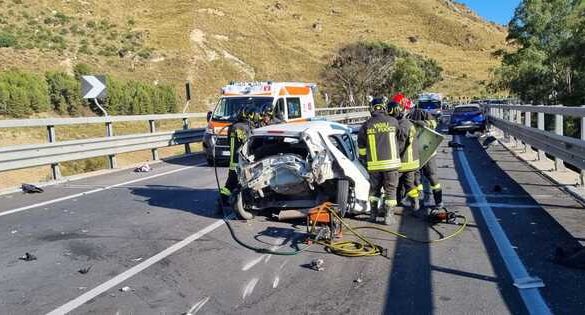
x=89, y=192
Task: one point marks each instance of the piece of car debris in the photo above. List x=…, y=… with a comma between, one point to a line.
x=126, y=289
x=317, y=264
x=488, y=141
x=456, y=145
x=84, y=270
x=144, y=168
x=31, y=189
x=28, y=257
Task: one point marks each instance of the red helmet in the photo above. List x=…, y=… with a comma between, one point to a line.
x=402, y=101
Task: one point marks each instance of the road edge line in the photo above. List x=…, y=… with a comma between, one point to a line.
x=533, y=300
x=93, y=191
x=84, y=298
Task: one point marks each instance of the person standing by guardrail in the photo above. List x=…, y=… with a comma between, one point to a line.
x=379, y=151
x=409, y=155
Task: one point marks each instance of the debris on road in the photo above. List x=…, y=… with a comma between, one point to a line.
x=144, y=168
x=317, y=264
x=455, y=145
x=572, y=256
x=444, y=166
x=84, y=270
x=28, y=257
x=126, y=289
x=488, y=141
x=13, y=231
x=358, y=280
x=137, y=259
x=31, y=189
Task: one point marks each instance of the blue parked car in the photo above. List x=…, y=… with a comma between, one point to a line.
x=467, y=118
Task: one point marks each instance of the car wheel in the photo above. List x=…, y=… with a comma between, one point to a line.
x=342, y=196
x=240, y=209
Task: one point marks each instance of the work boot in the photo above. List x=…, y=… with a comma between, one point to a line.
x=374, y=212
x=438, y=196
x=389, y=216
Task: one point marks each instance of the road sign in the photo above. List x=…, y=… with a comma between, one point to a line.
x=93, y=86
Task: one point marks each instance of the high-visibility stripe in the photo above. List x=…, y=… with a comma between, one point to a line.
x=393, y=150
x=436, y=187
x=388, y=166
x=372, y=144
x=374, y=199
x=363, y=151
x=413, y=193
x=390, y=203
x=225, y=191
x=409, y=166
x=233, y=164
x=420, y=187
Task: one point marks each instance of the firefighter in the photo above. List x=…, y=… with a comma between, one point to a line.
x=267, y=116
x=429, y=170
x=409, y=155
x=379, y=151
x=238, y=134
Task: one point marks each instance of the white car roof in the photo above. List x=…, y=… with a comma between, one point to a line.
x=467, y=105
x=296, y=128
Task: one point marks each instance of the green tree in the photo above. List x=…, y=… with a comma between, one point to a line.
x=64, y=93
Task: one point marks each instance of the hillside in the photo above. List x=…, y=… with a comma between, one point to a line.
x=212, y=42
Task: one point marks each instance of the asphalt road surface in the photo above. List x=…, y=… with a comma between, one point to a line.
x=153, y=243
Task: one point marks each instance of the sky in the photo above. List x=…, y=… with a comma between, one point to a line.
x=499, y=11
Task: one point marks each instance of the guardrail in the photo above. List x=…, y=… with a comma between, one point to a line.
x=55, y=152
x=516, y=122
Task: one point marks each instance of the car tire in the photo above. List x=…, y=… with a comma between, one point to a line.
x=342, y=196
x=240, y=209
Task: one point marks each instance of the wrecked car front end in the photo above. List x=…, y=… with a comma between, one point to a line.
x=300, y=169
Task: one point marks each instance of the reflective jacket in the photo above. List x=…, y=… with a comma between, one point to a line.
x=378, y=145
x=409, y=156
x=238, y=134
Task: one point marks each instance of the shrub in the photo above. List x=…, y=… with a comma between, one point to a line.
x=64, y=93
x=7, y=40
x=23, y=93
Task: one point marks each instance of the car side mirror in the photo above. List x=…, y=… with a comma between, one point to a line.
x=208, y=116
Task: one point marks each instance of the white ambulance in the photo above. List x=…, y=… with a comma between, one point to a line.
x=292, y=101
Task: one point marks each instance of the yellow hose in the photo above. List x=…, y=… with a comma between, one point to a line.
x=365, y=247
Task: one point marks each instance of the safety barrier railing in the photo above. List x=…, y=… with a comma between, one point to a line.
x=516, y=122
x=55, y=152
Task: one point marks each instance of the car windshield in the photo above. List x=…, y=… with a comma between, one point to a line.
x=228, y=107
x=429, y=104
x=466, y=109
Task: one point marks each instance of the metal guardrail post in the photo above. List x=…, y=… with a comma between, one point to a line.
x=511, y=118
x=151, y=124
x=185, y=127
x=527, y=123
x=112, y=163
x=55, y=169
x=559, y=166
x=540, y=125
x=582, y=174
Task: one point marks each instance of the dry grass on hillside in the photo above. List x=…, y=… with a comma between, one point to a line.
x=213, y=41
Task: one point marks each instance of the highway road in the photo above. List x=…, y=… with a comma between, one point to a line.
x=155, y=244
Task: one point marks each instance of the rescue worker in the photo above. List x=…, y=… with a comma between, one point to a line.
x=409, y=156
x=268, y=117
x=238, y=134
x=429, y=170
x=379, y=151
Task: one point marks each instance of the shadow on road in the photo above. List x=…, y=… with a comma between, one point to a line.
x=534, y=233
x=201, y=202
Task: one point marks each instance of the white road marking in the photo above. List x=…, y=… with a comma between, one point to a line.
x=249, y=288
x=89, y=192
x=195, y=308
x=253, y=262
x=503, y=205
x=535, y=303
x=75, y=303
x=275, y=282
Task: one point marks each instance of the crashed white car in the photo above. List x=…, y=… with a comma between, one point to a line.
x=299, y=166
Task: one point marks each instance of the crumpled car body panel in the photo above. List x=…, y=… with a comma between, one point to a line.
x=290, y=174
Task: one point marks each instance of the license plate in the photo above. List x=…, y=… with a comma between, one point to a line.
x=225, y=153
